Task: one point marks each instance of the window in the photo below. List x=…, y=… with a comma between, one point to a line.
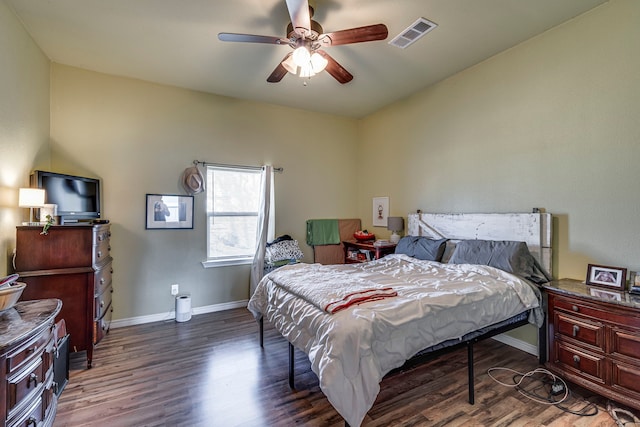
x=233, y=200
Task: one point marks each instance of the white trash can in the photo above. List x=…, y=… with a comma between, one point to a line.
x=183, y=308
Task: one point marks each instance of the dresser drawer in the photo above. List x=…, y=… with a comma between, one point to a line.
x=586, y=364
x=576, y=306
x=579, y=329
x=626, y=342
x=31, y=417
x=610, y=313
x=101, y=233
x=29, y=351
x=101, y=326
x=627, y=378
x=101, y=252
x=25, y=384
x=102, y=278
x=102, y=302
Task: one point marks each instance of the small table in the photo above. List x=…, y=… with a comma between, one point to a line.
x=353, y=250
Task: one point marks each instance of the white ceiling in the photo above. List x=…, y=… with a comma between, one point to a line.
x=174, y=42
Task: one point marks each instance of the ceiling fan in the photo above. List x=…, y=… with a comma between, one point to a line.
x=308, y=40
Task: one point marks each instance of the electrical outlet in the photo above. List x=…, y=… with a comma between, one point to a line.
x=175, y=288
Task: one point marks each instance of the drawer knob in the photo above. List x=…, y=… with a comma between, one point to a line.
x=576, y=359
x=102, y=280
x=99, y=254
x=575, y=308
x=576, y=329
x=33, y=377
x=32, y=421
x=101, y=303
x=32, y=349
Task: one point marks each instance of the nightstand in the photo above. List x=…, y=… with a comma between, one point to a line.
x=594, y=339
x=355, y=252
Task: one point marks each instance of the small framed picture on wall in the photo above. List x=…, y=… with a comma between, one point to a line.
x=380, y=211
x=167, y=211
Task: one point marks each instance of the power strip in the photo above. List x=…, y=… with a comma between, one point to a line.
x=557, y=388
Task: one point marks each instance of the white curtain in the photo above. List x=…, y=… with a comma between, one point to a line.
x=266, y=226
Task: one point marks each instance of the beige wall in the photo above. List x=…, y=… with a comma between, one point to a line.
x=138, y=137
x=551, y=123
x=24, y=122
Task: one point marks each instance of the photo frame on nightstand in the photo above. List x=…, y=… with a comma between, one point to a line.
x=610, y=277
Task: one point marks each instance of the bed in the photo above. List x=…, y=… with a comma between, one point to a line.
x=358, y=322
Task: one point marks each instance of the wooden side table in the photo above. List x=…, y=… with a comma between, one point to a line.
x=374, y=251
x=594, y=339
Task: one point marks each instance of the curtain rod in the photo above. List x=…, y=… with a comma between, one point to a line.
x=222, y=165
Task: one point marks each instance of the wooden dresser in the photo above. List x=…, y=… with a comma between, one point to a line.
x=72, y=263
x=594, y=339
x=27, y=346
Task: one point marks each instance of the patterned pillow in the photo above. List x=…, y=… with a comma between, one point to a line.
x=286, y=249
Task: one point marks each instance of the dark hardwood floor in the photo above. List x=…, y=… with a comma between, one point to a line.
x=211, y=371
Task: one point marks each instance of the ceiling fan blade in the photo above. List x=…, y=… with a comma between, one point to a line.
x=250, y=38
x=279, y=73
x=336, y=70
x=300, y=18
x=355, y=35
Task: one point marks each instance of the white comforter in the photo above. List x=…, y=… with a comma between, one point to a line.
x=350, y=351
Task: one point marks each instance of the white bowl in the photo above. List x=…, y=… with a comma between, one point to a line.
x=10, y=295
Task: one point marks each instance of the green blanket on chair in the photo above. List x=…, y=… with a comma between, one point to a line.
x=323, y=232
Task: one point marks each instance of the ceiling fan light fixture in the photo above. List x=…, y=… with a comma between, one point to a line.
x=290, y=65
x=318, y=62
x=306, y=71
x=301, y=56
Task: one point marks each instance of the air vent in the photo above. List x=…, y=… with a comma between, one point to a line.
x=413, y=33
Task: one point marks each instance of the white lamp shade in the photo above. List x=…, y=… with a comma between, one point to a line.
x=31, y=198
x=306, y=71
x=289, y=65
x=318, y=62
x=301, y=56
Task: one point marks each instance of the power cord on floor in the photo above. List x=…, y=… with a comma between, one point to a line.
x=545, y=388
x=558, y=384
x=622, y=417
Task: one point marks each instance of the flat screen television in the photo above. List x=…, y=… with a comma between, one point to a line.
x=77, y=197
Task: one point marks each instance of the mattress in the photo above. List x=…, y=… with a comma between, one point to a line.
x=350, y=351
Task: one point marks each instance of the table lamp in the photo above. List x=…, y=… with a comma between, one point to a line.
x=31, y=198
x=395, y=224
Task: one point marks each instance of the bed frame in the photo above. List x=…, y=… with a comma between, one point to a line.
x=533, y=228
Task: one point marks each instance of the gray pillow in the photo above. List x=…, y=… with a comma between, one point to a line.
x=421, y=248
x=512, y=257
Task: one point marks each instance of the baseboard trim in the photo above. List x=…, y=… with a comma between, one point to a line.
x=171, y=315
x=519, y=344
